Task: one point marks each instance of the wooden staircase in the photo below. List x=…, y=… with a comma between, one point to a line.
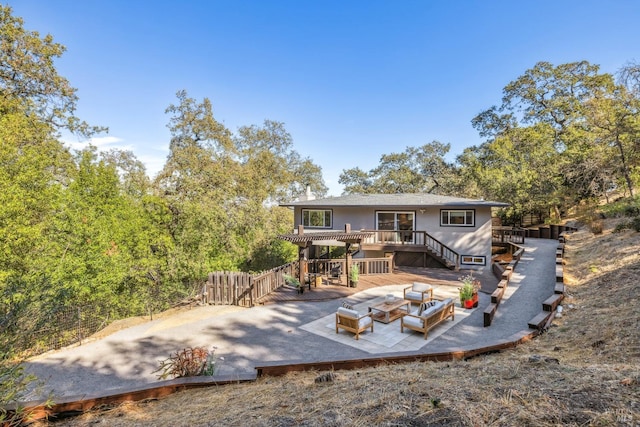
x=419, y=242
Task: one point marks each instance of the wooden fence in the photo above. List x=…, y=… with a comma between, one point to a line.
x=505, y=235
x=246, y=289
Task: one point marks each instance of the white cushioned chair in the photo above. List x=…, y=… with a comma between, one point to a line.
x=352, y=321
x=428, y=315
x=418, y=293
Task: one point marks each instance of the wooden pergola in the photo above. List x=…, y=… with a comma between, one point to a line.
x=304, y=241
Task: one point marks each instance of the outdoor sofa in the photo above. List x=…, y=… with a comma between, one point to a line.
x=428, y=315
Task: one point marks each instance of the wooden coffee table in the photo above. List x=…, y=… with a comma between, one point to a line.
x=387, y=312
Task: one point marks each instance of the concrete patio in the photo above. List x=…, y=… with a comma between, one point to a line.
x=286, y=332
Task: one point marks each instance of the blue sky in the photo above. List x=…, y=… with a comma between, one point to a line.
x=351, y=80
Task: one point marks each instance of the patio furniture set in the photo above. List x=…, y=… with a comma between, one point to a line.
x=427, y=315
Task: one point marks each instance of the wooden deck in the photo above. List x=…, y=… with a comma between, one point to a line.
x=325, y=291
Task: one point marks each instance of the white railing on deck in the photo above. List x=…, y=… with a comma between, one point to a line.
x=365, y=265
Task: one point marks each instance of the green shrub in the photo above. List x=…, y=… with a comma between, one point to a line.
x=635, y=223
x=631, y=210
x=621, y=226
x=291, y=281
x=629, y=207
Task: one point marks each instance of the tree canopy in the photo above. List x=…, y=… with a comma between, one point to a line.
x=568, y=133
x=416, y=170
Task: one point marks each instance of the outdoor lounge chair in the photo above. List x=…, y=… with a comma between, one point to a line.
x=352, y=321
x=428, y=315
x=419, y=293
x=336, y=273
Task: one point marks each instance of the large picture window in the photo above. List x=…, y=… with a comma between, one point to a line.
x=458, y=218
x=319, y=218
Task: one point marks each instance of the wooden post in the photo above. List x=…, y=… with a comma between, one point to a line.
x=301, y=257
x=347, y=261
x=302, y=263
x=347, y=255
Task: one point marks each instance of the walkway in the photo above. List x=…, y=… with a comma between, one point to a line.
x=246, y=338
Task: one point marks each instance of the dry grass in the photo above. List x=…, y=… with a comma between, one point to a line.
x=584, y=371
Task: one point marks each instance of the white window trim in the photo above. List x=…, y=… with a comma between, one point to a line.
x=473, y=217
x=473, y=260
x=395, y=224
x=324, y=211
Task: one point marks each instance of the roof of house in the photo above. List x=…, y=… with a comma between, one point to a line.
x=394, y=200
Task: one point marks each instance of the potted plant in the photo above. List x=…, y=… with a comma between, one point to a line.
x=292, y=281
x=354, y=275
x=469, y=291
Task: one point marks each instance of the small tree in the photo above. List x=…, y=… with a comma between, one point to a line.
x=354, y=275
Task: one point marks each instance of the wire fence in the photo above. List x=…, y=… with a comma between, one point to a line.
x=69, y=326
x=31, y=326
x=66, y=326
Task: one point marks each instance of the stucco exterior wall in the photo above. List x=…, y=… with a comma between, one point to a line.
x=467, y=241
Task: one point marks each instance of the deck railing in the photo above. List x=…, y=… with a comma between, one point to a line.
x=244, y=289
x=366, y=266
x=503, y=235
x=416, y=238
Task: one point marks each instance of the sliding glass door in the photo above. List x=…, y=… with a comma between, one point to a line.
x=395, y=227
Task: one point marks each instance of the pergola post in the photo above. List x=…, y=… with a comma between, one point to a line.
x=302, y=263
x=347, y=255
x=302, y=260
x=347, y=260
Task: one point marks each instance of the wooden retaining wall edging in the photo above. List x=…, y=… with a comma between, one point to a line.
x=459, y=353
x=490, y=312
x=75, y=405
x=542, y=321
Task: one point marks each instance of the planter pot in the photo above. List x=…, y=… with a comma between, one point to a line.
x=354, y=284
x=471, y=303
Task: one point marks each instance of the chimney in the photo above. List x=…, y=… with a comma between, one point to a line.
x=308, y=195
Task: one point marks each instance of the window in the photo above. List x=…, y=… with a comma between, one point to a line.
x=473, y=260
x=320, y=218
x=461, y=218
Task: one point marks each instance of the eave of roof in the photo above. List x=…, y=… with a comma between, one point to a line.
x=394, y=200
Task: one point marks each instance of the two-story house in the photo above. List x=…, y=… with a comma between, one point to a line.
x=420, y=230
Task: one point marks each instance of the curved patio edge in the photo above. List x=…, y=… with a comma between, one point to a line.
x=76, y=405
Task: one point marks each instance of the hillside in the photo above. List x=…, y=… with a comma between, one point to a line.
x=584, y=371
